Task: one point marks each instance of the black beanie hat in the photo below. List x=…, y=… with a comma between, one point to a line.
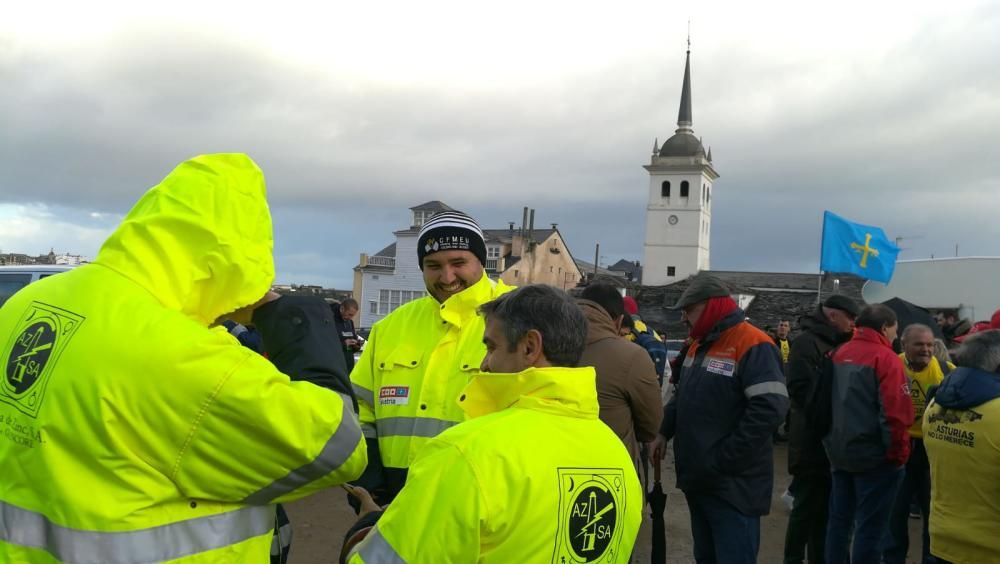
x=451, y=231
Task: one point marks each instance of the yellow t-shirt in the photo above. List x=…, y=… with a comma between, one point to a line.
x=785, y=349
x=920, y=383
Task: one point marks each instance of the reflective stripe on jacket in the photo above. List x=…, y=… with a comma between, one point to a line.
x=532, y=476
x=729, y=400
x=133, y=431
x=414, y=367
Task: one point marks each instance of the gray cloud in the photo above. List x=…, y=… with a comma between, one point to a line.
x=903, y=138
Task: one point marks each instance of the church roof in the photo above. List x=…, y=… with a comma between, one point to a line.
x=682, y=145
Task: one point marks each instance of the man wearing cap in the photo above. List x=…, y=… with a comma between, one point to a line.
x=419, y=358
x=729, y=400
x=827, y=327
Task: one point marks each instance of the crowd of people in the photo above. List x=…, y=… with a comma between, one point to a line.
x=161, y=403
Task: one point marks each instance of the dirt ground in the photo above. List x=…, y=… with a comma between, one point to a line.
x=321, y=520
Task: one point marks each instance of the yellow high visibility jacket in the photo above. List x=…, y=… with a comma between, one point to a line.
x=920, y=383
x=133, y=432
x=962, y=437
x=414, y=367
x=532, y=476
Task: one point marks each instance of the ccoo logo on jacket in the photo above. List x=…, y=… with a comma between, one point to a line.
x=590, y=502
x=34, y=347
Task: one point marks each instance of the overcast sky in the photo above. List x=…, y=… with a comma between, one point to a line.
x=887, y=113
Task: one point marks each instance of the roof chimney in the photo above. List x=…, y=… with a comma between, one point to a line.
x=531, y=228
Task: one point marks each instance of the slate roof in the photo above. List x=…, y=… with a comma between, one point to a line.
x=389, y=251
x=505, y=235
x=433, y=205
x=777, y=296
x=587, y=269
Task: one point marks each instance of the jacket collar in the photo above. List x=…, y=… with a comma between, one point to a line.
x=968, y=387
x=570, y=392
x=731, y=320
x=817, y=324
x=599, y=323
x=459, y=308
x=871, y=336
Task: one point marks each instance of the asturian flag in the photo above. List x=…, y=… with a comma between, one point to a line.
x=857, y=248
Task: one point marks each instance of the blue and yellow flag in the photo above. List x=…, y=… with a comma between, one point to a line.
x=859, y=249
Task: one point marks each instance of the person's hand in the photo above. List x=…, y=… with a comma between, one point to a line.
x=244, y=315
x=368, y=504
x=351, y=342
x=657, y=449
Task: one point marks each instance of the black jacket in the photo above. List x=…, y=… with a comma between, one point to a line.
x=297, y=331
x=730, y=398
x=805, y=447
x=345, y=331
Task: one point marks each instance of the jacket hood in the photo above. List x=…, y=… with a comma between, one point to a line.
x=599, y=323
x=967, y=387
x=564, y=391
x=817, y=324
x=201, y=240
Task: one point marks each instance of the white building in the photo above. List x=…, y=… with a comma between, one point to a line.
x=679, y=209
x=967, y=285
x=71, y=260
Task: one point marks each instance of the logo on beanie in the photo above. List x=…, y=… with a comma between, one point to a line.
x=447, y=243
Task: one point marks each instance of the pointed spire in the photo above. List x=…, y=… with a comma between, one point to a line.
x=709, y=154
x=656, y=146
x=684, y=119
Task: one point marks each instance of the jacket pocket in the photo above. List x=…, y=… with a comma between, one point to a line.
x=471, y=361
x=402, y=357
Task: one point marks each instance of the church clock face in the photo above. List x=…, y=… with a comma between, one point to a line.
x=672, y=220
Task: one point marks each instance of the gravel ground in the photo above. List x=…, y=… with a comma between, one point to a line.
x=321, y=520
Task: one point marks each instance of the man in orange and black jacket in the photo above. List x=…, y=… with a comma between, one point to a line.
x=729, y=400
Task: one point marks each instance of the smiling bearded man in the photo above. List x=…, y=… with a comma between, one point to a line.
x=420, y=357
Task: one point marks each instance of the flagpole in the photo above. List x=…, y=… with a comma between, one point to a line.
x=819, y=283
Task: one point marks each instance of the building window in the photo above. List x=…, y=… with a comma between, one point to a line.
x=708, y=195
x=492, y=252
x=383, y=302
x=685, y=188
x=671, y=271
x=516, y=275
x=373, y=307
x=665, y=189
x=421, y=217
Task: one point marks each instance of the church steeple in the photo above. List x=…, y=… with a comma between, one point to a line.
x=684, y=120
x=679, y=208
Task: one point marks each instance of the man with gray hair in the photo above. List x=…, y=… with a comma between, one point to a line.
x=533, y=474
x=923, y=372
x=962, y=437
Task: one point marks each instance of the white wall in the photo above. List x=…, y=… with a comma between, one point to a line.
x=686, y=244
x=407, y=276
x=969, y=284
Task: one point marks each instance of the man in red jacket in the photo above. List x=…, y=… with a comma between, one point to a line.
x=868, y=443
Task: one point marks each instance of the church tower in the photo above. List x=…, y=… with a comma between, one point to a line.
x=679, y=209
